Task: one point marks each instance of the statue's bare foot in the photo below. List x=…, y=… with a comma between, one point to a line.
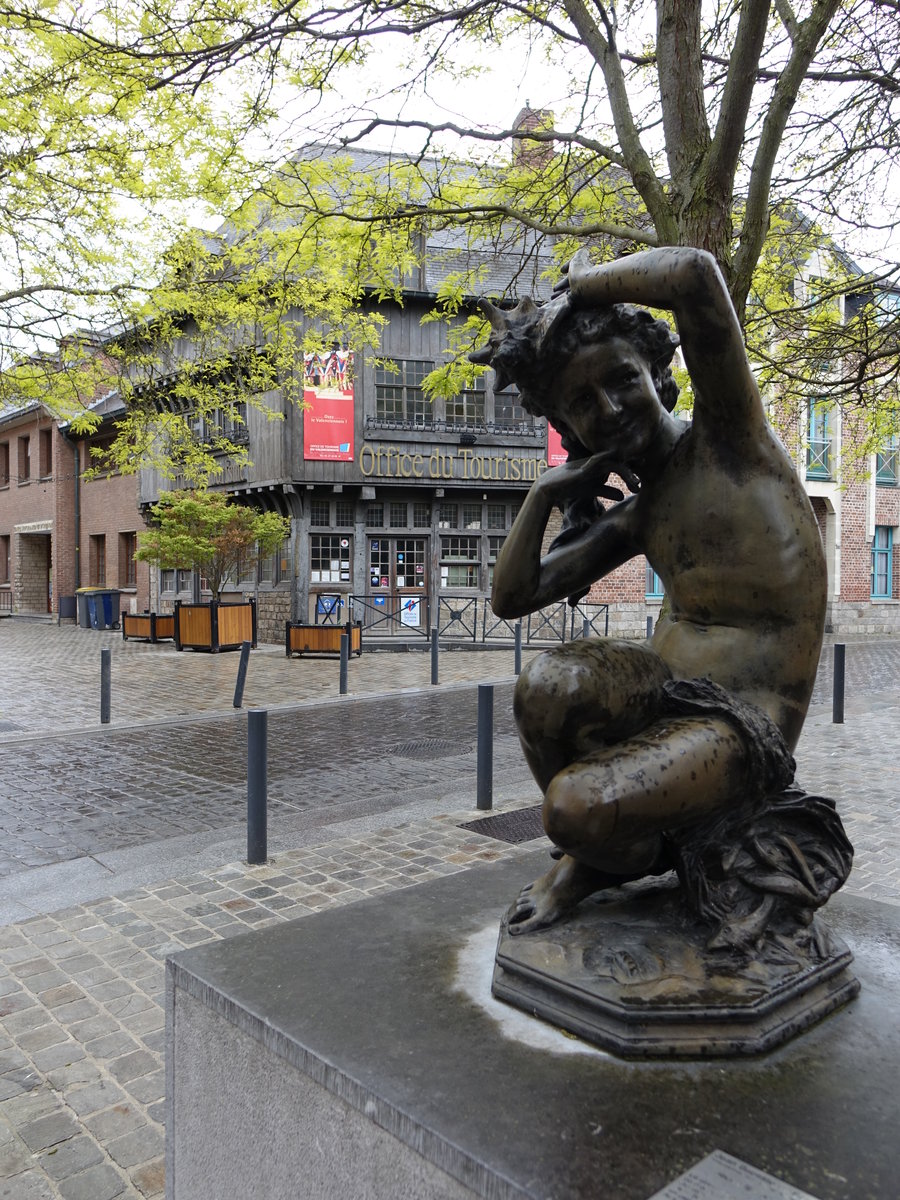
x=555, y=894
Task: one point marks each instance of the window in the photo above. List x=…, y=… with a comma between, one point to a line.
x=329, y=558
x=98, y=559
x=4, y=558
x=320, y=512
x=24, y=459
x=4, y=464
x=495, y=543
x=459, y=562
x=509, y=413
x=496, y=516
x=397, y=516
x=468, y=407
x=344, y=512
x=448, y=516
x=882, y=562
x=654, y=585
x=818, y=450
x=127, y=565
x=398, y=392
x=375, y=516
x=421, y=515
x=45, y=453
x=886, y=462
x=167, y=580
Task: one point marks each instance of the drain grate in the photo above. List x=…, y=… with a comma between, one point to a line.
x=429, y=748
x=522, y=825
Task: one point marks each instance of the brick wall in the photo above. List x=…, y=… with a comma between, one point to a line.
x=108, y=511
x=31, y=501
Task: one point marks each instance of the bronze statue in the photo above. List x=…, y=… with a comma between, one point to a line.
x=674, y=753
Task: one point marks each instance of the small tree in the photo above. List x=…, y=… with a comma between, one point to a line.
x=203, y=531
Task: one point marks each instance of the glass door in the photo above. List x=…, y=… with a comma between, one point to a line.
x=398, y=579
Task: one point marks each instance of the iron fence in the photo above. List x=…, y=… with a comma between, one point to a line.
x=462, y=618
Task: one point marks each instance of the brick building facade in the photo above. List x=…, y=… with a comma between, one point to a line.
x=59, y=531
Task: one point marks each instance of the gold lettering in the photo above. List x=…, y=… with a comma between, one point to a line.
x=367, y=452
x=417, y=463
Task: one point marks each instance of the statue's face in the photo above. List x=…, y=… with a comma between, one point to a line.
x=606, y=396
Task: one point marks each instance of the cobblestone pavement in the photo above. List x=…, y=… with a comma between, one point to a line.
x=81, y=987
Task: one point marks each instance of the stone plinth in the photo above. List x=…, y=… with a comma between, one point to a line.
x=358, y=1054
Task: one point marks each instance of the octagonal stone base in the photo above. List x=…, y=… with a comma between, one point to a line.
x=630, y=972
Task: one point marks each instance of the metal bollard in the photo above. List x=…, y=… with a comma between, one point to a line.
x=586, y=627
x=241, y=675
x=649, y=627
x=257, y=785
x=518, y=654
x=485, y=793
x=345, y=660
x=435, y=652
x=105, y=685
x=837, y=699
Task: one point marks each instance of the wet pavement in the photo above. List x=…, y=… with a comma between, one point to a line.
x=122, y=844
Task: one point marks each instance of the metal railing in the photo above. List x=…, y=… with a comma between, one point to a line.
x=392, y=615
x=5, y=600
x=461, y=618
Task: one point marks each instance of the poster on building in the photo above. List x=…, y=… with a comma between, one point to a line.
x=328, y=416
x=556, y=456
x=409, y=612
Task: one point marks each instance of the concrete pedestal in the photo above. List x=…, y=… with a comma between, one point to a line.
x=358, y=1054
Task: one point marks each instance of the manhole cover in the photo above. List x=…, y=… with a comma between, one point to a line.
x=428, y=748
x=522, y=825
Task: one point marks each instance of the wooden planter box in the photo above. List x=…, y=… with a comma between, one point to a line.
x=152, y=627
x=320, y=639
x=214, y=626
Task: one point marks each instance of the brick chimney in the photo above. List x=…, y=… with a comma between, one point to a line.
x=525, y=152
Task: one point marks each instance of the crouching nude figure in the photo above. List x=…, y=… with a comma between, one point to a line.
x=677, y=752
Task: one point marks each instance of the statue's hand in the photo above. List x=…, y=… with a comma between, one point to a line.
x=574, y=271
x=579, y=477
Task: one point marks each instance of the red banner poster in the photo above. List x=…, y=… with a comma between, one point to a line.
x=556, y=456
x=328, y=417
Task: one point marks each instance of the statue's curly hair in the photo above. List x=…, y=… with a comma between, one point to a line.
x=531, y=345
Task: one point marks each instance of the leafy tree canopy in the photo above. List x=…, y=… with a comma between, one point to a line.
x=767, y=132
x=203, y=531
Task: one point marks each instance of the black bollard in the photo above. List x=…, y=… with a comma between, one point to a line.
x=586, y=627
x=837, y=699
x=435, y=651
x=485, y=794
x=345, y=660
x=241, y=675
x=105, y=685
x=518, y=654
x=257, y=785
x=649, y=627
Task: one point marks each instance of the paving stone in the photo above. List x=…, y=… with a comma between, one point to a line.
x=132, y=1066
x=64, y=1054
x=138, y=1146
x=99, y=1094
x=100, y=1182
x=113, y=1122
x=31, y=1185
x=150, y=1179
x=69, y=1157
x=47, y=1131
